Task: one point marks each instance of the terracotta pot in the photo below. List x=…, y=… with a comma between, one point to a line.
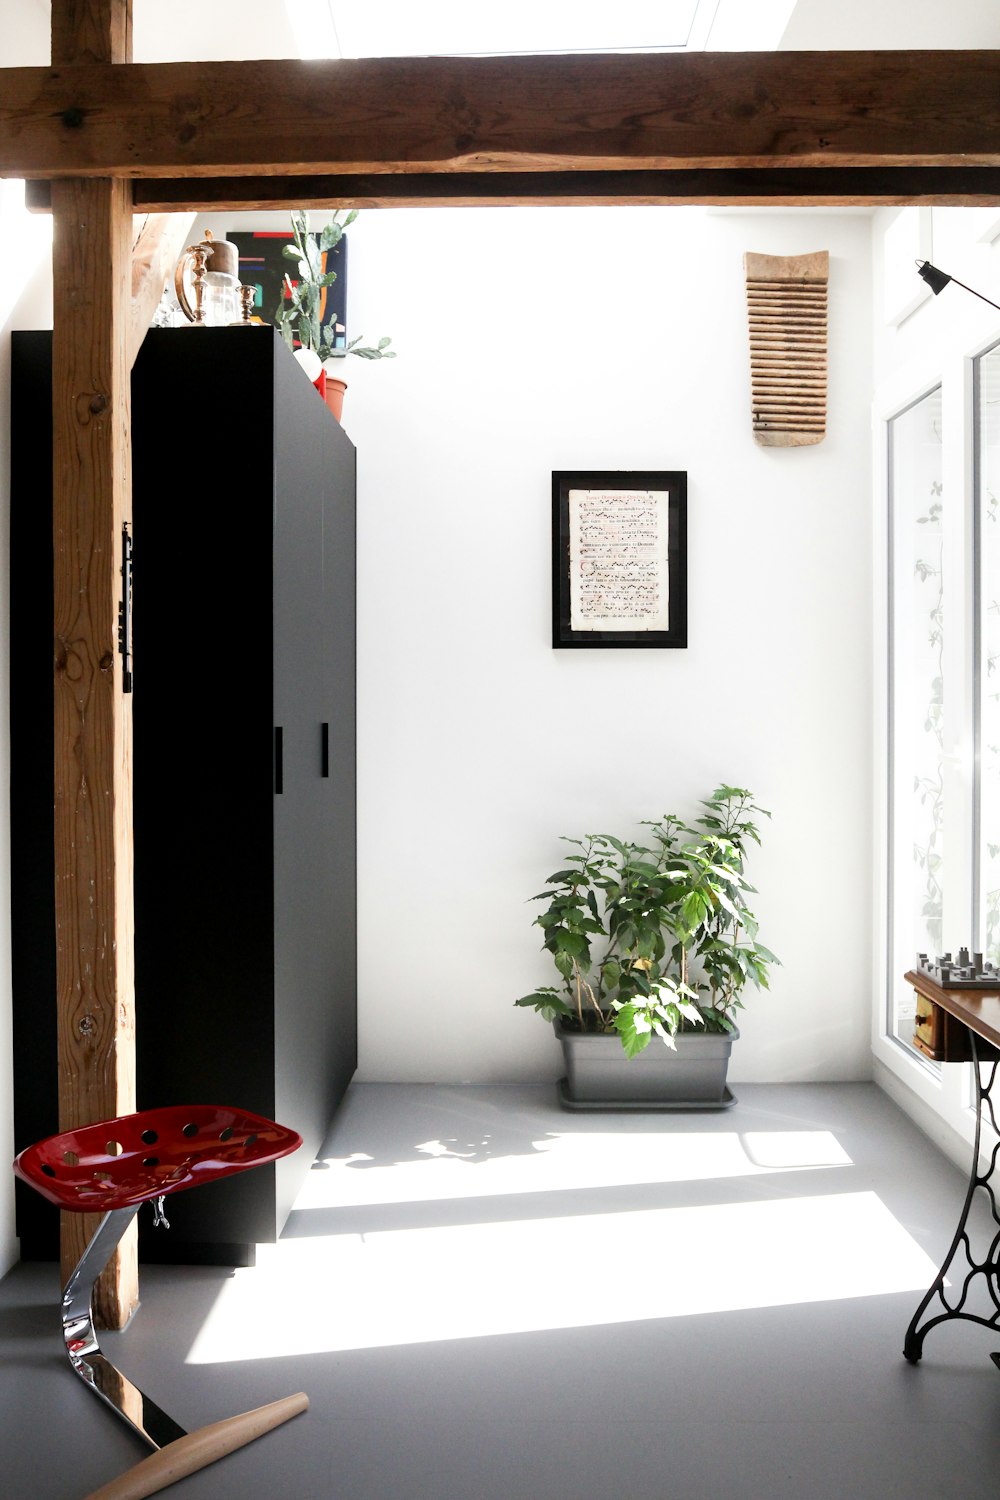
x=335, y=389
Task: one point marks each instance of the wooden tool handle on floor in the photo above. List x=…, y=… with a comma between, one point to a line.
x=198, y=1449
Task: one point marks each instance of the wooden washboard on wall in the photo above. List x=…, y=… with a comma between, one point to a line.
x=787, y=309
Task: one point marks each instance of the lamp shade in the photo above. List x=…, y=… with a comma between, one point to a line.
x=938, y=280
x=935, y=279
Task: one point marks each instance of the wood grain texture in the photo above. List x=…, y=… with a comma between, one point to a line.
x=823, y=187
x=196, y=1450
x=834, y=187
x=91, y=471
x=91, y=31
x=578, y=112
x=787, y=310
x=979, y=1010
x=93, y=724
x=158, y=246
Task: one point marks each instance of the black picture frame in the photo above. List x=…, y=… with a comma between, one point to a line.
x=264, y=267
x=673, y=483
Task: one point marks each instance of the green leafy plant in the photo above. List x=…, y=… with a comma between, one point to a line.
x=655, y=938
x=299, y=314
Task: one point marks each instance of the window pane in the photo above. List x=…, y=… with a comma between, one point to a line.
x=917, y=793
x=988, y=463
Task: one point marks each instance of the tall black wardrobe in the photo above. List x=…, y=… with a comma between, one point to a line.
x=244, y=761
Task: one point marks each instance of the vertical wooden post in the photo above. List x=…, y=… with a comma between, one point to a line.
x=91, y=31
x=93, y=723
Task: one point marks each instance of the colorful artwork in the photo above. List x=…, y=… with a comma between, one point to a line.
x=263, y=266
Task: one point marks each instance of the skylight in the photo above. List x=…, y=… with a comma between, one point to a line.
x=398, y=28
x=241, y=29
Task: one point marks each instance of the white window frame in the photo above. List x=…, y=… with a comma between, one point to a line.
x=979, y=893
x=939, y=1098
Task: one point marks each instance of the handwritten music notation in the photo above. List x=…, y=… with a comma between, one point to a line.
x=619, y=559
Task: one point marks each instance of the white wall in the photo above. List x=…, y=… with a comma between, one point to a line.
x=818, y=25
x=531, y=340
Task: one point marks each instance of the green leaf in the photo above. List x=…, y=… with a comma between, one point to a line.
x=693, y=908
x=564, y=963
x=571, y=942
x=547, y=1002
x=313, y=257
x=633, y=1041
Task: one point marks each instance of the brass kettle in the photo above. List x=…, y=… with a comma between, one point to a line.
x=214, y=267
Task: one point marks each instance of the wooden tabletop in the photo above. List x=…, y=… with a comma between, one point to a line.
x=977, y=1009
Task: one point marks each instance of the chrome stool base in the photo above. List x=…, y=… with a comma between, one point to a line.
x=106, y=1381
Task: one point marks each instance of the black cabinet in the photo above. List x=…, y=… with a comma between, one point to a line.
x=244, y=761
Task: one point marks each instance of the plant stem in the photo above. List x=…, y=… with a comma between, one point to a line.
x=593, y=998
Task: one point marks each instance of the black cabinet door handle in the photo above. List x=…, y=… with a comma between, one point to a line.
x=324, y=749
x=279, y=760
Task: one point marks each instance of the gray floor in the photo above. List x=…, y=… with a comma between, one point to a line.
x=486, y=1297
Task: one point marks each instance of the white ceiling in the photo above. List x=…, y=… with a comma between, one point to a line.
x=357, y=28
x=190, y=29
x=401, y=28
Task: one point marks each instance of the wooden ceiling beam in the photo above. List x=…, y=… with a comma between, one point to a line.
x=800, y=187
x=744, y=111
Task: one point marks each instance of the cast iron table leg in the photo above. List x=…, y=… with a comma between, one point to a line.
x=960, y=1260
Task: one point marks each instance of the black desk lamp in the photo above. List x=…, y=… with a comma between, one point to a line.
x=938, y=280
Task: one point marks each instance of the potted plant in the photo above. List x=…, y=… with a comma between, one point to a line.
x=299, y=315
x=654, y=944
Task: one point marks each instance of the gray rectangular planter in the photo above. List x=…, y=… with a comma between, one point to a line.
x=598, y=1072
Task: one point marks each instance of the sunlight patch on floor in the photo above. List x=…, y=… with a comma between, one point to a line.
x=455, y=1168
x=341, y=1292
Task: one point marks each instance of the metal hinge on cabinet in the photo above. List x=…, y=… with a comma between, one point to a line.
x=125, y=611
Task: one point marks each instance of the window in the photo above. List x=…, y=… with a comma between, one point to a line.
x=987, y=450
x=917, y=621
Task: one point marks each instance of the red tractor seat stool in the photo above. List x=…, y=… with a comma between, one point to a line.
x=113, y=1167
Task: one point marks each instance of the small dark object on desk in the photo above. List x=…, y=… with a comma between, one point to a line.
x=961, y=972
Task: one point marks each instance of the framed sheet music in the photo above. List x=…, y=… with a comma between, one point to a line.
x=619, y=558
